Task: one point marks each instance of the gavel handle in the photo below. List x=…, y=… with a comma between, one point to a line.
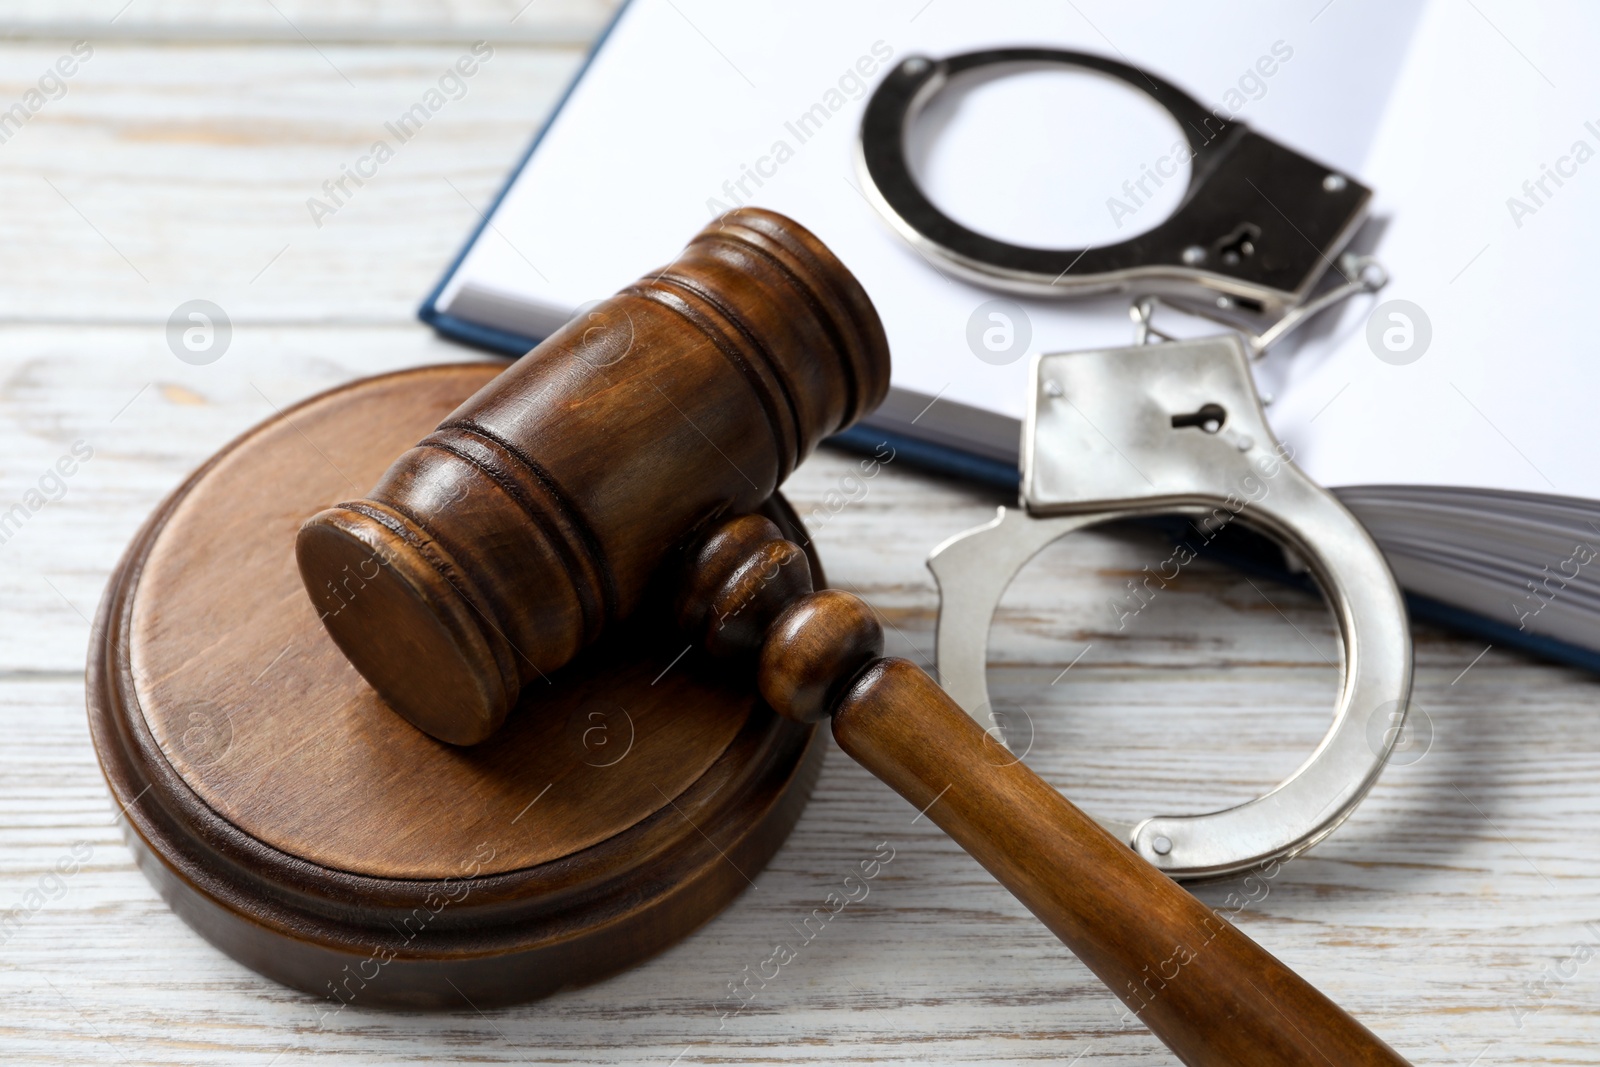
x=1214, y=996
x=1210, y=993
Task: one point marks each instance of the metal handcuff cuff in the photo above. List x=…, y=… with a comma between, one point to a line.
x=1171, y=427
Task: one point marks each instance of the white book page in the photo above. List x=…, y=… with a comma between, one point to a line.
x=686, y=97
x=1504, y=396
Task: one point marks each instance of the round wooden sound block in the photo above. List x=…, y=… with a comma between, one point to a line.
x=309, y=832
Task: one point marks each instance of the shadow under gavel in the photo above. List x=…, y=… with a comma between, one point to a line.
x=641, y=435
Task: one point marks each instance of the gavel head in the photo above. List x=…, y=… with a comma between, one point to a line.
x=506, y=540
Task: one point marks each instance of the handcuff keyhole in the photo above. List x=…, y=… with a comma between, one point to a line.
x=1238, y=245
x=1209, y=418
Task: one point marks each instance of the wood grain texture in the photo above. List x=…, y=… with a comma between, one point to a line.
x=179, y=171
x=814, y=651
x=548, y=22
x=1212, y=996
x=289, y=817
x=735, y=583
x=1439, y=914
x=540, y=511
x=261, y=716
x=1210, y=993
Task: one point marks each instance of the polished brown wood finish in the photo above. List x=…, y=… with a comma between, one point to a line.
x=813, y=650
x=297, y=823
x=736, y=582
x=1214, y=996
x=537, y=513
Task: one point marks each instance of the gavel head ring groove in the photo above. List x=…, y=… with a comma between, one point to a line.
x=507, y=540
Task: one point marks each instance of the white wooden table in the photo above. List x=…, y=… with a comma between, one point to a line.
x=1450, y=913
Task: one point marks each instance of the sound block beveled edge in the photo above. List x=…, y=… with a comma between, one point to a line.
x=430, y=944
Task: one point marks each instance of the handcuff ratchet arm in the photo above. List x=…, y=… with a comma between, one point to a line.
x=1113, y=434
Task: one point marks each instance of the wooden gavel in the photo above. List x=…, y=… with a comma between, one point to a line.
x=640, y=436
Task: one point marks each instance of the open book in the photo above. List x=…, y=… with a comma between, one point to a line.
x=1451, y=424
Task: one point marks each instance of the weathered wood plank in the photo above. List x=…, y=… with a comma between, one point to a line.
x=1427, y=915
x=551, y=22
x=166, y=173
x=1450, y=913
x=1438, y=886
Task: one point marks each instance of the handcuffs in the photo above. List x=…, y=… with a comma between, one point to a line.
x=1172, y=427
